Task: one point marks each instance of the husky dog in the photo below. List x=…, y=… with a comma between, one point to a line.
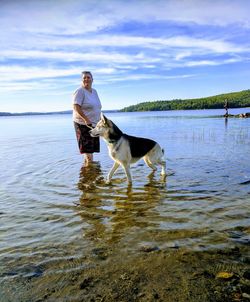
x=126, y=149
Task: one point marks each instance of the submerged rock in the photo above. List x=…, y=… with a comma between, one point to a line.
x=246, y=274
x=148, y=248
x=225, y=275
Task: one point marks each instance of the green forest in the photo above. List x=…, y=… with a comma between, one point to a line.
x=235, y=100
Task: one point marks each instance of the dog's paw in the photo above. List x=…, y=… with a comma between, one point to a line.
x=108, y=182
x=163, y=177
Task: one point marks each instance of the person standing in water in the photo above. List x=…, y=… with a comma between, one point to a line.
x=86, y=114
x=226, y=108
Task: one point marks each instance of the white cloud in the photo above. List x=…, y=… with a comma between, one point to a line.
x=120, y=41
x=79, y=17
x=202, y=63
x=104, y=57
x=140, y=76
x=21, y=73
x=20, y=79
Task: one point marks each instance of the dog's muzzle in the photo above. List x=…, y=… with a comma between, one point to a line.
x=93, y=134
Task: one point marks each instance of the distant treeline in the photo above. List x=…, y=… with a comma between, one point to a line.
x=43, y=113
x=34, y=113
x=234, y=99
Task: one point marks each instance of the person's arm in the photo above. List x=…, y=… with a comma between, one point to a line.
x=79, y=111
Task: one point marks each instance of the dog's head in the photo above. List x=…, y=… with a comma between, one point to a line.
x=102, y=128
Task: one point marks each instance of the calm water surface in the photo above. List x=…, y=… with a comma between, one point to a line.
x=58, y=217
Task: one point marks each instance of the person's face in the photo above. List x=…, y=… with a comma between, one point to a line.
x=87, y=80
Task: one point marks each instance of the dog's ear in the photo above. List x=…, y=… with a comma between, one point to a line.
x=104, y=119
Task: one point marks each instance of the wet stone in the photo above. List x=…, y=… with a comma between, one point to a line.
x=208, y=275
x=172, y=245
x=86, y=283
x=148, y=249
x=246, y=296
x=236, y=297
x=31, y=271
x=245, y=288
x=125, y=277
x=225, y=275
x=235, y=251
x=235, y=234
x=245, y=259
x=100, y=253
x=246, y=274
x=156, y=296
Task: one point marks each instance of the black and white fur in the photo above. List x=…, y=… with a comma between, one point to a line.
x=126, y=149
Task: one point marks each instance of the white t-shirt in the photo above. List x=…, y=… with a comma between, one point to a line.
x=90, y=105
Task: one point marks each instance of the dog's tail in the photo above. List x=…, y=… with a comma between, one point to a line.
x=164, y=155
x=163, y=152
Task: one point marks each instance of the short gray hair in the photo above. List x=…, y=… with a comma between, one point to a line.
x=87, y=72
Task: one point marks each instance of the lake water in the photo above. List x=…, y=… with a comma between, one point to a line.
x=58, y=217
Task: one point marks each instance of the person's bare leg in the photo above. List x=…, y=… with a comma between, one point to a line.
x=88, y=158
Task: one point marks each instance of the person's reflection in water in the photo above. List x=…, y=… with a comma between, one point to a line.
x=91, y=183
x=90, y=175
x=226, y=122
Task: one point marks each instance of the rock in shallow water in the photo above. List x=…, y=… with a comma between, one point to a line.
x=148, y=248
x=225, y=275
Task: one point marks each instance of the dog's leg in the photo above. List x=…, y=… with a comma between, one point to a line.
x=126, y=168
x=112, y=171
x=156, y=157
x=162, y=162
x=163, y=167
x=149, y=164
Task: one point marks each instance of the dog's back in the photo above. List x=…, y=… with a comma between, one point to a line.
x=139, y=146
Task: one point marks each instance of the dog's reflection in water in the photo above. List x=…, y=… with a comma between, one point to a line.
x=90, y=176
x=112, y=211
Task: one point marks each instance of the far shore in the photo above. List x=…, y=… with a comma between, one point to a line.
x=43, y=113
x=9, y=114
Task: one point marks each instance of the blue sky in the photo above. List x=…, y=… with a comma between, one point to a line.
x=137, y=50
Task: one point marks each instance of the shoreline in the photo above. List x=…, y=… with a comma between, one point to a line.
x=173, y=274
x=8, y=114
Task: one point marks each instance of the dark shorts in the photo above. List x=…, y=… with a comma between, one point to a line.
x=86, y=143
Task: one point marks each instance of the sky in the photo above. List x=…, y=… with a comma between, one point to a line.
x=137, y=51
